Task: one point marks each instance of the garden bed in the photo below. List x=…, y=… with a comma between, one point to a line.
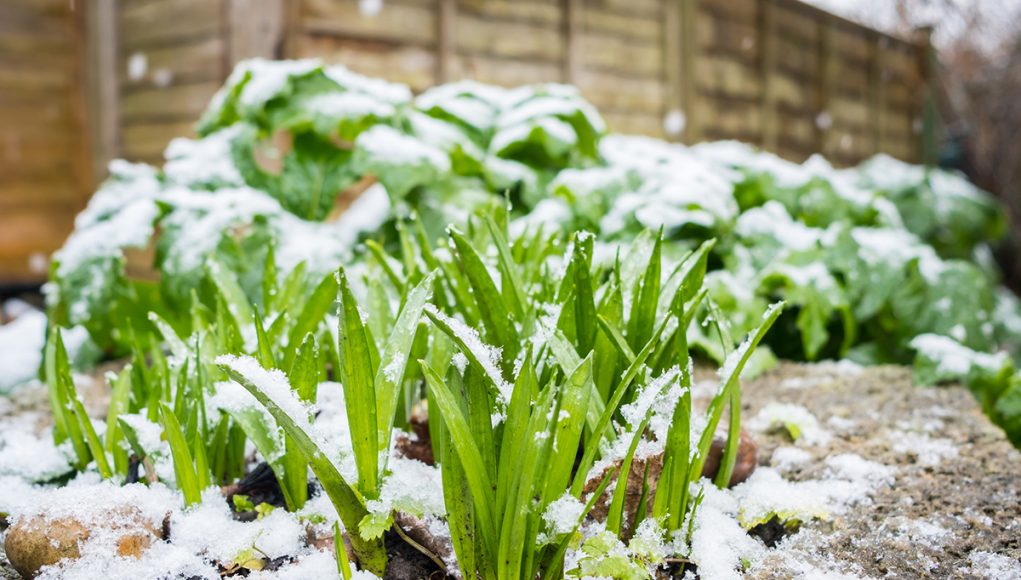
x=942, y=498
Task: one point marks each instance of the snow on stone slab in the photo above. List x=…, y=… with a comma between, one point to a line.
x=796, y=420
x=926, y=450
x=100, y=502
x=993, y=566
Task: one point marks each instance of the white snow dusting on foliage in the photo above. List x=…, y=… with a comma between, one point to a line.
x=954, y=360
x=487, y=356
x=273, y=384
x=203, y=162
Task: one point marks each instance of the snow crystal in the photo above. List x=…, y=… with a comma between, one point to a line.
x=487, y=356
x=993, y=566
x=412, y=487
x=269, y=78
x=273, y=384
x=205, y=161
x=563, y=514
x=795, y=419
x=718, y=542
x=772, y=221
x=927, y=450
x=954, y=360
x=383, y=142
x=386, y=91
x=209, y=528
x=349, y=105
x=787, y=458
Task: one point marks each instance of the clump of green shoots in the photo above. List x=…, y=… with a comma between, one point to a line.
x=534, y=359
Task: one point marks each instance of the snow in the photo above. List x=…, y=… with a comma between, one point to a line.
x=927, y=451
x=269, y=78
x=772, y=221
x=796, y=420
x=21, y=345
x=487, y=356
x=563, y=514
x=383, y=142
x=206, y=161
x=349, y=105
x=954, y=360
x=789, y=458
x=273, y=384
x=993, y=566
x=411, y=487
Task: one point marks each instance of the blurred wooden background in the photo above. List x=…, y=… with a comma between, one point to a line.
x=85, y=81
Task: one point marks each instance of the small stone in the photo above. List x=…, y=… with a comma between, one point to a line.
x=40, y=541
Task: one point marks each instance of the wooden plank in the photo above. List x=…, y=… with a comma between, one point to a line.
x=446, y=32
x=877, y=91
x=148, y=140
x=24, y=79
x=613, y=53
x=767, y=34
x=827, y=73
x=163, y=22
x=652, y=8
x=508, y=39
x=576, y=43
x=255, y=28
x=691, y=114
x=395, y=22
x=634, y=123
x=186, y=101
x=47, y=191
x=189, y=62
x=506, y=72
x=718, y=35
x=674, y=74
x=541, y=12
x=646, y=29
x=724, y=76
x=414, y=65
x=608, y=91
x=746, y=11
x=101, y=90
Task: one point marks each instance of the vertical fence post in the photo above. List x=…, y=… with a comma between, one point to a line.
x=827, y=70
x=572, y=40
x=446, y=37
x=927, y=65
x=100, y=84
x=255, y=29
x=689, y=53
x=877, y=93
x=767, y=42
x=672, y=69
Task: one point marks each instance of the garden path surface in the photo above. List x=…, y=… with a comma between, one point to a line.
x=952, y=511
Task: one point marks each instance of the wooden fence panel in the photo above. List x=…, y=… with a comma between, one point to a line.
x=777, y=73
x=44, y=164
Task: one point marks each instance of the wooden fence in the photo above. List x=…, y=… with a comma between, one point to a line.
x=45, y=175
x=779, y=73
